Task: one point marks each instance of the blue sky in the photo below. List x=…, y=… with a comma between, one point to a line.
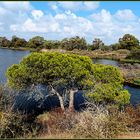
x=56, y=20
x=111, y=6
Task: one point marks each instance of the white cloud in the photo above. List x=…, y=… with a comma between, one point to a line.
x=103, y=16
x=110, y=27
x=60, y=17
x=91, y=5
x=125, y=14
x=16, y=5
x=128, y=29
x=13, y=12
x=75, y=6
x=66, y=24
x=37, y=14
x=69, y=5
x=54, y=7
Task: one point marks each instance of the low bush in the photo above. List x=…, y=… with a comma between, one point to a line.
x=135, y=54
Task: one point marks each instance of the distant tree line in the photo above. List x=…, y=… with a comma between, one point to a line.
x=128, y=41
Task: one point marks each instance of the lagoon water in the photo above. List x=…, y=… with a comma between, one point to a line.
x=106, y=62
x=9, y=57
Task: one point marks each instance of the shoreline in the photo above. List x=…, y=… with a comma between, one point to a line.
x=131, y=85
x=19, y=49
x=97, y=54
x=91, y=54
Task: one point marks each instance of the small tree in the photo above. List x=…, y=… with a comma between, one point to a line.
x=134, y=54
x=115, y=46
x=50, y=44
x=74, y=43
x=36, y=42
x=97, y=44
x=4, y=42
x=129, y=42
x=105, y=48
x=17, y=42
x=72, y=72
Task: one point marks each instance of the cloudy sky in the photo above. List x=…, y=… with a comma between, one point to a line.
x=57, y=20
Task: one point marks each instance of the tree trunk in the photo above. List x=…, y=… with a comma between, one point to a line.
x=71, y=101
x=60, y=99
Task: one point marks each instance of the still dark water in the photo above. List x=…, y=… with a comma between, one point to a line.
x=9, y=57
x=106, y=62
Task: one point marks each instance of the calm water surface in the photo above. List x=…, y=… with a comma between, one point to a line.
x=7, y=58
x=106, y=62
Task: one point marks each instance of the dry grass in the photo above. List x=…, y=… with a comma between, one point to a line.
x=13, y=124
x=98, y=122
x=131, y=75
x=119, y=54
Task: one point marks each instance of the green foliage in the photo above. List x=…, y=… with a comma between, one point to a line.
x=17, y=42
x=73, y=71
x=49, y=44
x=96, y=44
x=115, y=46
x=108, y=87
x=129, y=42
x=74, y=43
x=109, y=93
x=107, y=74
x=105, y=48
x=36, y=42
x=4, y=42
x=134, y=54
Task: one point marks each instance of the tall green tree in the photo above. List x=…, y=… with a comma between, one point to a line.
x=129, y=42
x=97, y=44
x=17, y=42
x=51, y=44
x=36, y=42
x=72, y=72
x=74, y=43
x=4, y=42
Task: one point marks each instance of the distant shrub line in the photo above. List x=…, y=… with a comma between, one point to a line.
x=128, y=41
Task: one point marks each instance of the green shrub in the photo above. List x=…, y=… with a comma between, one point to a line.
x=134, y=54
x=109, y=93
